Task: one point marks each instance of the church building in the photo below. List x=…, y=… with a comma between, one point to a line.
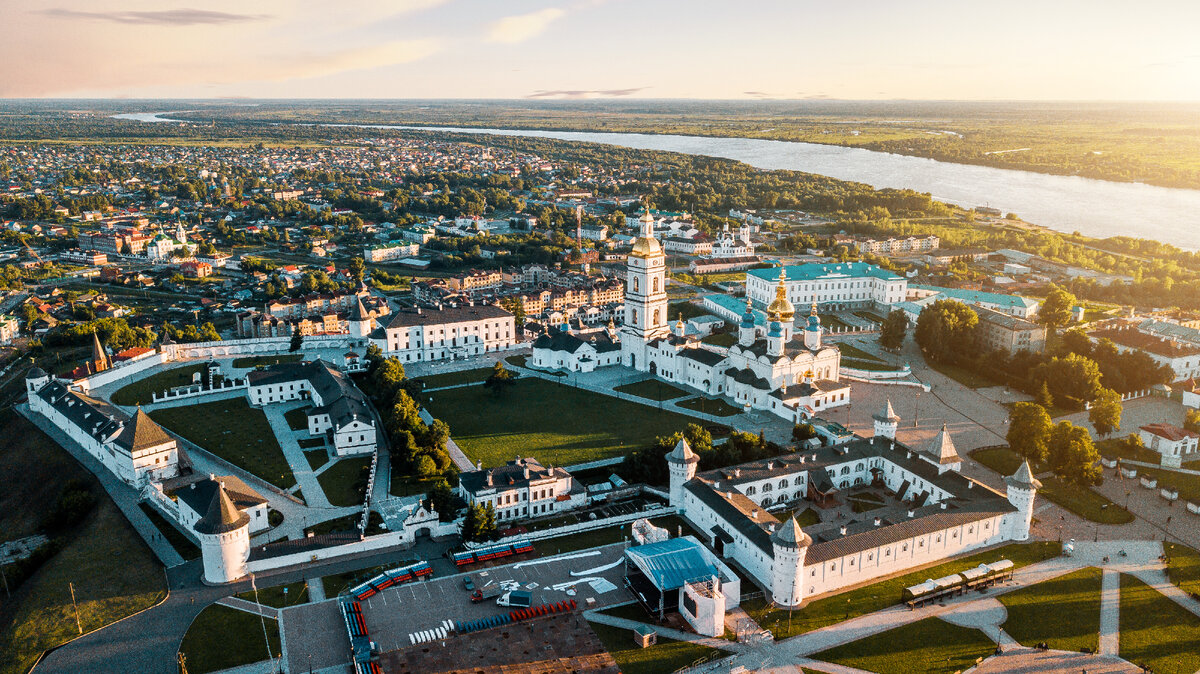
x=791, y=376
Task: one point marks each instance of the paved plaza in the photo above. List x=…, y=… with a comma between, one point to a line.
x=315, y=633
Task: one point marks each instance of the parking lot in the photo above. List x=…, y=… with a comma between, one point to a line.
x=314, y=635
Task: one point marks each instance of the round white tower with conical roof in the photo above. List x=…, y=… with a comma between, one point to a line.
x=224, y=534
x=1022, y=489
x=886, y=422
x=681, y=463
x=35, y=379
x=360, y=322
x=789, y=545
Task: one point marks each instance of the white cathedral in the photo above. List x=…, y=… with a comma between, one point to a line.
x=794, y=378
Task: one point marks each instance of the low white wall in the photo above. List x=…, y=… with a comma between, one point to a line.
x=122, y=370
x=875, y=374
x=576, y=528
x=197, y=390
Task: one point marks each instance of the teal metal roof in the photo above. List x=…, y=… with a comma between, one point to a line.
x=977, y=296
x=738, y=307
x=817, y=271
x=672, y=563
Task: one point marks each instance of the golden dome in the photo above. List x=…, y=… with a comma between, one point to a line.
x=781, y=309
x=646, y=245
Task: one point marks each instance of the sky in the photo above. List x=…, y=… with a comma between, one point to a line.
x=736, y=49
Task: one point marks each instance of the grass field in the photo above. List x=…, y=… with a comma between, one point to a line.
x=316, y=458
x=1063, y=612
x=855, y=353
x=869, y=365
x=234, y=431
x=1156, y=632
x=1001, y=459
x=1184, y=567
x=115, y=574
x=297, y=419
x=182, y=544
x=340, y=481
x=652, y=389
x=142, y=392
x=1084, y=501
x=1115, y=448
x=928, y=645
x=222, y=637
x=279, y=596
x=255, y=361
x=687, y=309
x=407, y=485
x=665, y=656
x=726, y=339
x=479, y=374
x=1188, y=485
x=553, y=423
x=962, y=375
x=878, y=596
x=714, y=406
x=805, y=516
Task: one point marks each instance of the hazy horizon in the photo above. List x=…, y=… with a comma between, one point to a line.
x=928, y=50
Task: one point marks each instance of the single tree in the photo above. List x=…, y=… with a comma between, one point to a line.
x=893, y=330
x=357, y=269
x=1055, y=311
x=1072, y=455
x=1105, y=413
x=802, y=432
x=441, y=499
x=1029, y=431
x=500, y=380
x=297, y=341
x=946, y=331
x=1043, y=396
x=1191, y=421
x=425, y=466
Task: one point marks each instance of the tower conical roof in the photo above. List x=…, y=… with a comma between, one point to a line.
x=358, y=313
x=791, y=535
x=141, y=432
x=222, y=516
x=887, y=413
x=99, y=355
x=682, y=453
x=942, y=448
x=1023, y=478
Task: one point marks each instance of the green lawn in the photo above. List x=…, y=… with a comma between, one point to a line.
x=1187, y=484
x=1156, y=632
x=310, y=443
x=836, y=608
x=1115, y=448
x=407, y=485
x=297, y=419
x=553, y=423
x=222, y=637
x=1000, y=459
x=714, y=406
x=115, y=575
x=234, y=431
x=687, y=309
x=317, y=458
x=805, y=516
x=663, y=657
x=861, y=503
x=652, y=389
x=930, y=645
x=521, y=361
x=850, y=351
x=344, y=481
x=1063, y=612
x=255, y=361
x=962, y=375
x=182, y=544
x=297, y=593
x=869, y=365
x=1083, y=501
x=142, y=391
x=725, y=339
x=454, y=378
x=1184, y=567
x=338, y=583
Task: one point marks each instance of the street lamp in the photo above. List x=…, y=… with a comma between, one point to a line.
x=917, y=410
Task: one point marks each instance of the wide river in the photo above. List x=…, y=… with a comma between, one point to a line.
x=1098, y=208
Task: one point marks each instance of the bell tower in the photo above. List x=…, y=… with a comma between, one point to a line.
x=645, y=296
